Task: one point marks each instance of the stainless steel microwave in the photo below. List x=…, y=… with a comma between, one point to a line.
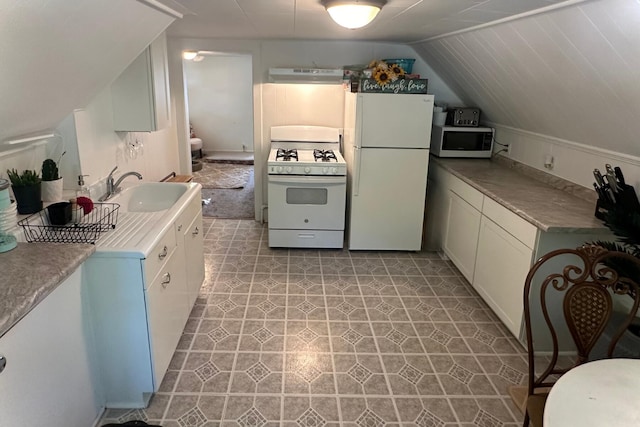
x=456, y=141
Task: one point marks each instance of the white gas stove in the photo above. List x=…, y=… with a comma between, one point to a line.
x=307, y=187
x=305, y=150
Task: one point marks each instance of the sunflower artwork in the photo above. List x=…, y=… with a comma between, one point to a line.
x=391, y=78
x=384, y=73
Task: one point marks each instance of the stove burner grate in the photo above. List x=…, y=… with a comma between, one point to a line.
x=287, y=154
x=324, y=155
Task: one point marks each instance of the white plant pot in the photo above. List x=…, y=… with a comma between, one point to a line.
x=51, y=190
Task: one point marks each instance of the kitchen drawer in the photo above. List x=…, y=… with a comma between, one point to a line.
x=522, y=230
x=466, y=192
x=158, y=256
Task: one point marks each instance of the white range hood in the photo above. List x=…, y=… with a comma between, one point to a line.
x=305, y=75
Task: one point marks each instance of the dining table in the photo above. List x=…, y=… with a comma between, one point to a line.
x=601, y=393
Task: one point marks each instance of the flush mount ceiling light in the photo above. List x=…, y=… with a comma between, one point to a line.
x=196, y=56
x=353, y=14
x=189, y=54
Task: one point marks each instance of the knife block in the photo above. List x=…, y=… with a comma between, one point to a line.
x=602, y=208
x=626, y=199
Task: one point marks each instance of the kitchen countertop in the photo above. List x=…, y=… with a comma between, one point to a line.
x=32, y=271
x=545, y=201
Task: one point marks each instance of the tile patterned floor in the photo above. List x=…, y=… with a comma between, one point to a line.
x=316, y=338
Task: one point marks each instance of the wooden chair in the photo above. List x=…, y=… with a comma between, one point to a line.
x=577, y=296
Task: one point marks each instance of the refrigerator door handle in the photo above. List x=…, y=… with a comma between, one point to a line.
x=356, y=169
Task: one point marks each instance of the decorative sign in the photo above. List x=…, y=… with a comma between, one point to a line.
x=416, y=86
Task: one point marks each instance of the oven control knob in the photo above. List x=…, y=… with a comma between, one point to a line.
x=289, y=169
x=325, y=170
x=334, y=170
x=307, y=170
x=279, y=169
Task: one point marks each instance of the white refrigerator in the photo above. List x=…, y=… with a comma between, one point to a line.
x=386, y=146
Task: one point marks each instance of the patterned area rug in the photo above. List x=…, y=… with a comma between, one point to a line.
x=230, y=203
x=223, y=175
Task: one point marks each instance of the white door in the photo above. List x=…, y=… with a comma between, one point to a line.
x=461, y=235
x=394, y=120
x=388, y=190
x=502, y=265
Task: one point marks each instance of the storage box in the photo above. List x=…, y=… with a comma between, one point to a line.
x=413, y=86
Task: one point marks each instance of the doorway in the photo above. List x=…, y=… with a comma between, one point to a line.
x=219, y=98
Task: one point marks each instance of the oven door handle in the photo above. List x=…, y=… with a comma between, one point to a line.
x=288, y=179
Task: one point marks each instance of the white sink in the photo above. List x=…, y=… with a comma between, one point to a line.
x=147, y=210
x=149, y=196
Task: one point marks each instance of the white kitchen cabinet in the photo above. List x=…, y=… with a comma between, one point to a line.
x=140, y=306
x=140, y=95
x=491, y=246
x=167, y=312
x=502, y=264
x=461, y=234
x=190, y=233
x=49, y=375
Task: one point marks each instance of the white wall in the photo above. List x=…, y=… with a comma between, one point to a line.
x=100, y=148
x=220, y=93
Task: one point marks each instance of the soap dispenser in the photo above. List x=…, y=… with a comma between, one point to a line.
x=83, y=190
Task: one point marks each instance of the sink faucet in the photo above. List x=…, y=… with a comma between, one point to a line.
x=114, y=188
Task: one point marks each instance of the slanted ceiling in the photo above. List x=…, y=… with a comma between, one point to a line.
x=573, y=73
x=56, y=55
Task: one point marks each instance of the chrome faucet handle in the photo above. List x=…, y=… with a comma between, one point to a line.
x=110, y=180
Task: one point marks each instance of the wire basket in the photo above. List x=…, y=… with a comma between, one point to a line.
x=83, y=228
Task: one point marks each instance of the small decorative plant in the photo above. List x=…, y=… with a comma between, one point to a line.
x=25, y=179
x=50, y=169
x=26, y=189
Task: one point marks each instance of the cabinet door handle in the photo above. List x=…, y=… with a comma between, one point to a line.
x=180, y=227
x=166, y=279
x=3, y=363
x=195, y=232
x=162, y=255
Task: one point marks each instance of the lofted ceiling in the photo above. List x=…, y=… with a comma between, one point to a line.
x=401, y=21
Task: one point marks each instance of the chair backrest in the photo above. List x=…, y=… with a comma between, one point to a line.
x=576, y=303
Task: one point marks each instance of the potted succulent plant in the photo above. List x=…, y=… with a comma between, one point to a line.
x=26, y=189
x=51, y=181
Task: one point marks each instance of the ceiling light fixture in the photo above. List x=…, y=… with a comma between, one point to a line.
x=353, y=14
x=189, y=54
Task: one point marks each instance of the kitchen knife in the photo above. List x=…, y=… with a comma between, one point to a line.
x=598, y=177
x=611, y=181
x=619, y=175
x=600, y=191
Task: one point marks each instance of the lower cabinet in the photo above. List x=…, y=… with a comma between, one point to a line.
x=140, y=306
x=491, y=246
x=49, y=379
x=167, y=313
x=502, y=264
x=461, y=235
x=191, y=237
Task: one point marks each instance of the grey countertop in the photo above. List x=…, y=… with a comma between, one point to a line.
x=32, y=271
x=542, y=199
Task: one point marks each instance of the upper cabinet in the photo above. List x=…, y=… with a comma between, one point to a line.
x=141, y=93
